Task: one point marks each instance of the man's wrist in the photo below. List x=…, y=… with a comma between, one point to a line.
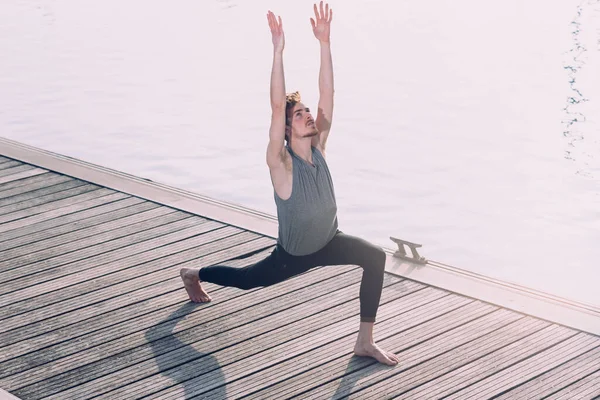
x=324, y=42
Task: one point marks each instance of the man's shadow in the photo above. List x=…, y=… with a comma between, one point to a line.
x=349, y=380
x=161, y=339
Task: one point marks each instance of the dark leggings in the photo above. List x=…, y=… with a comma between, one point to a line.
x=279, y=265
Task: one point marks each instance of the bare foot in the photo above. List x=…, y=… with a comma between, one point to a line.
x=191, y=281
x=372, y=350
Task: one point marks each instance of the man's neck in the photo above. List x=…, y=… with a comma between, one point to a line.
x=303, y=149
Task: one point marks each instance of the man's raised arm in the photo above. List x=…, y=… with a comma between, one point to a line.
x=325, y=109
x=277, y=130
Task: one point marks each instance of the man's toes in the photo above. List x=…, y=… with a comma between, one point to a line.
x=392, y=356
x=382, y=358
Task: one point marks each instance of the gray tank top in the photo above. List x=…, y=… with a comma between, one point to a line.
x=308, y=219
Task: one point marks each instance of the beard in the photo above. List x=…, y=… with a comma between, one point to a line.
x=311, y=133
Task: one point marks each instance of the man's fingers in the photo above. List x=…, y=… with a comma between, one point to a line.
x=316, y=12
x=312, y=22
x=280, y=23
x=326, y=15
x=330, y=15
x=321, y=8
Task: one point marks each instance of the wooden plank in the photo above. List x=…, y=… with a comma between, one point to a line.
x=129, y=280
x=163, y=338
x=38, y=182
x=20, y=218
x=22, y=175
x=100, y=344
x=328, y=339
x=33, y=206
x=37, y=194
x=110, y=212
x=586, y=388
x=182, y=236
x=441, y=316
x=18, y=271
x=160, y=300
x=360, y=378
x=442, y=384
x=109, y=274
x=9, y=334
x=186, y=356
x=15, y=169
x=68, y=221
x=131, y=333
x=4, y=164
x=421, y=381
x=25, y=182
x=558, y=378
x=529, y=368
x=75, y=236
x=234, y=361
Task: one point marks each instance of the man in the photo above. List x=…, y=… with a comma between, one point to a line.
x=303, y=191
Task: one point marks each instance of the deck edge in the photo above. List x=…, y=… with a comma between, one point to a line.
x=566, y=312
x=4, y=395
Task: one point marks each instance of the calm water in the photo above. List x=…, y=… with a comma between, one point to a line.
x=471, y=127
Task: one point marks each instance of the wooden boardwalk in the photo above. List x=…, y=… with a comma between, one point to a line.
x=92, y=306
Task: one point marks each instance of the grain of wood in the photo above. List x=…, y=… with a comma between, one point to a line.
x=295, y=324
x=25, y=183
x=9, y=196
x=73, y=236
x=65, y=222
x=216, y=342
x=529, y=368
x=132, y=278
x=162, y=338
x=6, y=163
x=138, y=266
x=34, y=205
x=586, y=388
x=19, y=218
x=315, y=340
x=128, y=207
x=558, y=378
x=227, y=302
x=429, y=379
x=41, y=204
x=22, y=175
x=124, y=336
x=15, y=169
x=37, y=196
x=349, y=384
x=428, y=321
x=489, y=364
x=31, y=268
x=160, y=299
x=33, y=329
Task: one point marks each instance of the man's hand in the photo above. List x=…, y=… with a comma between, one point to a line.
x=323, y=21
x=276, y=32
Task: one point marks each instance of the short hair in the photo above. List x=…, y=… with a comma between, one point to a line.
x=291, y=99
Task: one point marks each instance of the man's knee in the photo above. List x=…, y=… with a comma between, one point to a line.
x=376, y=258
x=380, y=257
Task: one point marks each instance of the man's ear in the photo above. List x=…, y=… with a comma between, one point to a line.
x=288, y=131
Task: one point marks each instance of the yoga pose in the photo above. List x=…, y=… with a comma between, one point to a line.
x=303, y=190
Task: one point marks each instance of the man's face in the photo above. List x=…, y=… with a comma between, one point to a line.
x=303, y=124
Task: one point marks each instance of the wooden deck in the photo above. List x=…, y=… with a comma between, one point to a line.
x=91, y=306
